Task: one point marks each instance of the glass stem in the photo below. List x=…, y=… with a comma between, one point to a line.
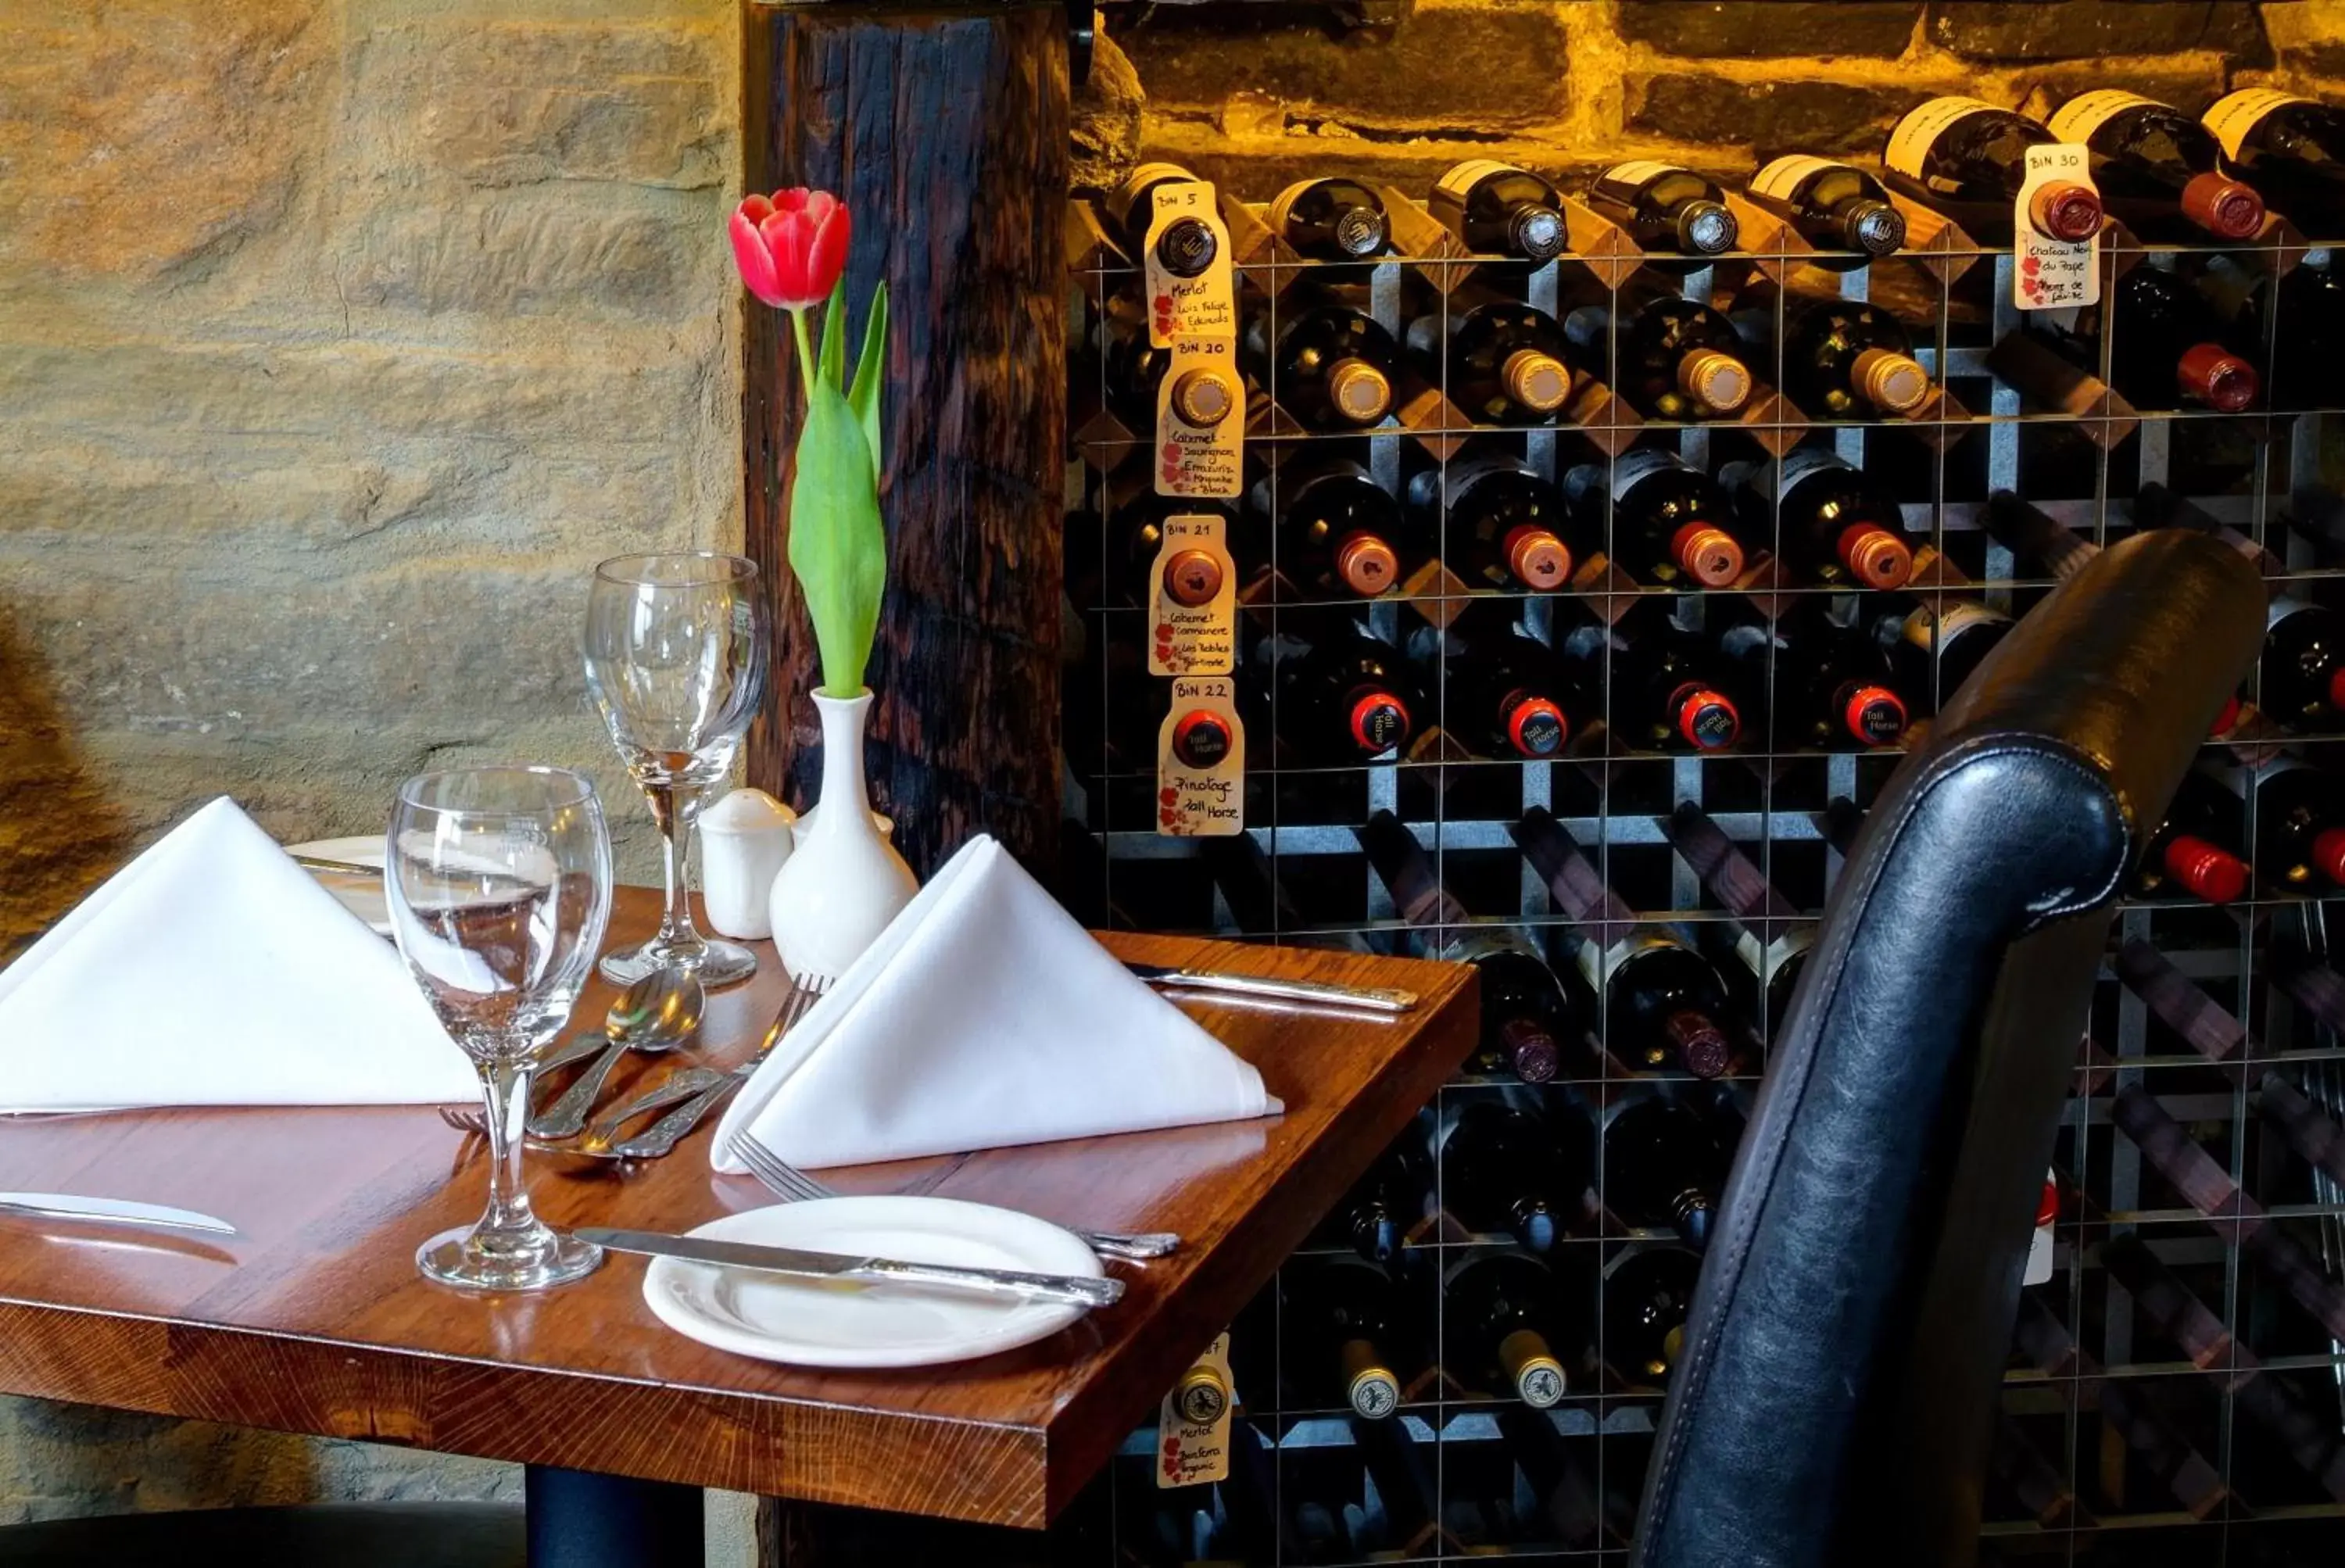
x=505, y=1085
x=675, y=806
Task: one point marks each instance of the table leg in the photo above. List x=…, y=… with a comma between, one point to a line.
x=579, y=1519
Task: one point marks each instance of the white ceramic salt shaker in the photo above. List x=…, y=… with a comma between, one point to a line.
x=744, y=839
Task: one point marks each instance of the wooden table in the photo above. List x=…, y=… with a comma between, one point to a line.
x=315, y=1320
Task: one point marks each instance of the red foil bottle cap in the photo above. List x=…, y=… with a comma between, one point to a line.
x=1367, y=564
x=1875, y=557
x=2227, y=717
x=1875, y=715
x=2209, y=870
x=2065, y=209
x=1707, y=719
x=1537, y=558
x=1200, y=739
x=2337, y=687
x=1379, y=721
x=2216, y=377
x=1192, y=577
x=2329, y=854
x=2047, y=1206
x=1536, y=726
x=2223, y=207
x=1700, y=1044
x=1708, y=554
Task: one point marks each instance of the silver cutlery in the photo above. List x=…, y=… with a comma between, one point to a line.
x=1262, y=988
x=336, y=868
x=1080, y=1289
x=655, y=1015
x=114, y=1210
x=785, y=1181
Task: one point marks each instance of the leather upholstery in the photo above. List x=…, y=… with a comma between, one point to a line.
x=1835, y=1398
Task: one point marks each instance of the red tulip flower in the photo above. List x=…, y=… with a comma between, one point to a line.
x=791, y=247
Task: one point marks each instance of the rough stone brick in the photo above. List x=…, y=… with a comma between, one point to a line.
x=1106, y=121
x=528, y=251
x=2076, y=29
x=1436, y=68
x=1771, y=117
x=1735, y=29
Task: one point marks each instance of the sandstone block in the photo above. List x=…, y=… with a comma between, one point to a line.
x=536, y=249
x=1771, y=117
x=2079, y=29
x=1744, y=29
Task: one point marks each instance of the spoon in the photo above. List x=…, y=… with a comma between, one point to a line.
x=656, y=1014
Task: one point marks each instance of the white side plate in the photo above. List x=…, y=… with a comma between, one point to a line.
x=363, y=896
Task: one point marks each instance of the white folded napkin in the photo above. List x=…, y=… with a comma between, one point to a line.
x=983, y=1016
x=213, y=971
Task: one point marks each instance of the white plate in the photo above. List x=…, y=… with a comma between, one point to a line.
x=363, y=896
x=825, y=1323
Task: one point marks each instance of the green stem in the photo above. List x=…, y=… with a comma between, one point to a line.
x=806, y=366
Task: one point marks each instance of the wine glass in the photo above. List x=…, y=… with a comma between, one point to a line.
x=675, y=657
x=499, y=883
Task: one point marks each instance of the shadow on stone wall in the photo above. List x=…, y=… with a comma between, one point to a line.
x=60, y=834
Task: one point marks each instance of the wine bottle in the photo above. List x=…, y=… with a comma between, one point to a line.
x=2159, y=170
x=1762, y=963
x=1528, y=1019
x=1345, y=1328
x=1385, y=1204
x=1186, y=248
x=2291, y=148
x=1968, y=159
x=1674, y=360
x=1502, y=525
x=1832, y=206
x=1663, y=698
x=1833, y=687
x=2300, y=678
x=1328, y=366
x=1506, y=694
x=1506, y=1326
x=1505, y=362
x=2166, y=347
x=2199, y=850
x=1344, y=697
x=1338, y=531
x=1408, y=873
x=1838, y=526
x=1332, y=219
x=1935, y=645
x=1502, y=1169
x=1664, y=1167
x=2307, y=355
x=1666, y=209
x=1844, y=359
x=2299, y=823
x=1646, y=1298
x=1671, y=525
x=1497, y=209
x=1663, y=1004
x=1135, y=535
x=1134, y=369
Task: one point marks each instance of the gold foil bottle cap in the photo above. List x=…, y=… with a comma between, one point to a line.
x=1369, y=1385
x=1538, y=1376
x=1202, y=1397
x=1359, y=391
x=1892, y=382
x=1716, y=381
x=1204, y=397
x=1538, y=381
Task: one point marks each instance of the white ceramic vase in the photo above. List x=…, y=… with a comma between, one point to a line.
x=844, y=881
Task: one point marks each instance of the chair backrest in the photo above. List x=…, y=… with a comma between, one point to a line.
x=1836, y=1398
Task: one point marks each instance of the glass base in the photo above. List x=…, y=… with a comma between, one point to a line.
x=532, y=1259
x=717, y=962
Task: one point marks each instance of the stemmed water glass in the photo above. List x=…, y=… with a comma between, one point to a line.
x=675, y=657
x=499, y=883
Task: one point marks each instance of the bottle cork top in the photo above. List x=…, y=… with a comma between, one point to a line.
x=1875, y=715
x=1706, y=227
x=1538, y=232
x=1538, y=382
x=1201, y=739
x=2065, y=209
x=1367, y=564
x=1537, y=559
x=1876, y=228
x=1192, y=577
x=1359, y=392
x=1708, y=554
x=2209, y=870
x=1204, y=397
x=1891, y=382
x=2216, y=377
x=1715, y=379
x=1538, y=1376
x=1875, y=557
x=2223, y=207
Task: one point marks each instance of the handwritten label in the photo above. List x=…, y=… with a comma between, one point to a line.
x=2050, y=274
x=1203, y=460
x=1205, y=306
x=1190, y=1453
x=1207, y=801
x=1199, y=638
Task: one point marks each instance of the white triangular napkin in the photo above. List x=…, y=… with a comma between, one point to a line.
x=213, y=971
x=983, y=1016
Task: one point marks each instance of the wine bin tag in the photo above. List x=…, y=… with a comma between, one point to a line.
x=2050, y=274
x=1205, y=306
x=1200, y=422
x=1192, y=606
x=1200, y=762
x=1190, y=1452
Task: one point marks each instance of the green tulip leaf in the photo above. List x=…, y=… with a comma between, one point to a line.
x=870, y=367
x=833, y=372
x=838, y=547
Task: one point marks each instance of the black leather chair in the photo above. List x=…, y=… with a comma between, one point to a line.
x=1836, y=1395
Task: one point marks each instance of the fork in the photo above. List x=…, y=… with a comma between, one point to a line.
x=792, y=1184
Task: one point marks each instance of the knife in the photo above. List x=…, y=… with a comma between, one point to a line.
x=118, y=1210
x=1362, y=998
x=1080, y=1289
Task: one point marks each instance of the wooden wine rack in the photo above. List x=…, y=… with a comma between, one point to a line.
x=2171, y=1390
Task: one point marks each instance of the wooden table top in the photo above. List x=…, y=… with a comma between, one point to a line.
x=315, y=1320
